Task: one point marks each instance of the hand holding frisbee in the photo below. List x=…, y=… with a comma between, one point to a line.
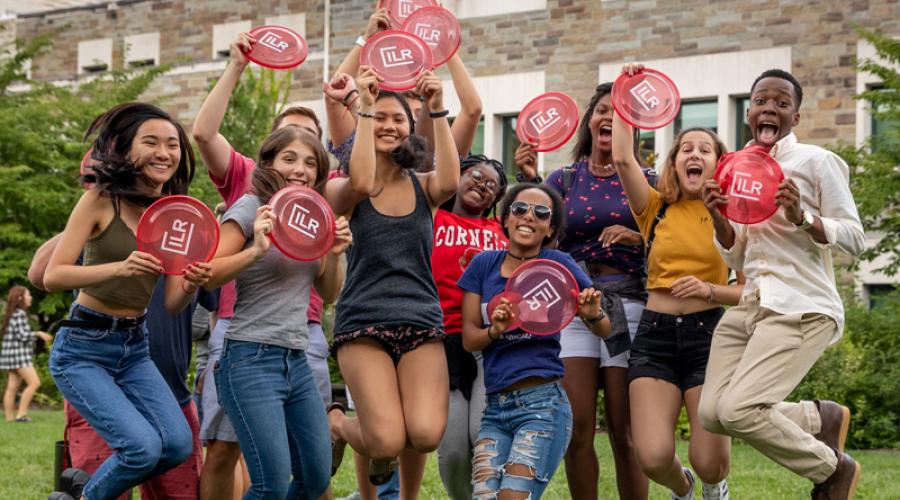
x=750, y=178
x=179, y=231
x=277, y=47
x=398, y=57
x=548, y=121
x=645, y=98
x=543, y=296
x=304, y=226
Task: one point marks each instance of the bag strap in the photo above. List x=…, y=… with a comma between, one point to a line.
x=652, y=234
x=568, y=178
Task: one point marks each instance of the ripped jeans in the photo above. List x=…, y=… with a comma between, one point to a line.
x=524, y=435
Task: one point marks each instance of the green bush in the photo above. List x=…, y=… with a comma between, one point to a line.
x=863, y=372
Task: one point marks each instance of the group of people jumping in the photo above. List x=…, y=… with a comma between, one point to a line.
x=430, y=234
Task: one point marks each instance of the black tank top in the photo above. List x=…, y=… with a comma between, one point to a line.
x=389, y=280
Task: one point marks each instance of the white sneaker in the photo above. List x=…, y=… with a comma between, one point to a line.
x=690, y=494
x=718, y=491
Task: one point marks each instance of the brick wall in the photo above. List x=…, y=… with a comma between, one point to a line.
x=568, y=41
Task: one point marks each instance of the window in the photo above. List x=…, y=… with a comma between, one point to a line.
x=224, y=34
x=742, y=133
x=881, y=126
x=94, y=56
x=647, y=146
x=142, y=50
x=296, y=22
x=882, y=295
x=481, y=8
x=510, y=144
x=697, y=114
x=478, y=142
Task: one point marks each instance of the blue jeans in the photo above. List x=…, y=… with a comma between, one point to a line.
x=530, y=427
x=107, y=375
x=270, y=397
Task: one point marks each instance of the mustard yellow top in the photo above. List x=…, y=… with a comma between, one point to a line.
x=683, y=245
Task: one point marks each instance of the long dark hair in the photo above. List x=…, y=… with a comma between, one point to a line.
x=413, y=150
x=266, y=181
x=584, y=145
x=15, y=300
x=114, y=174
x=557, y=218
x=472, y=161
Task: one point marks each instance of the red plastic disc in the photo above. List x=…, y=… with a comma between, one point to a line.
x=549, y=296
x=304, y=227
x=398, y=57
x=178, y=230
x=437, y=27
x=647, y=100
x=467, y=256
x=549, y=120
x=277, y=47
x=399, y=10
x=513, y=305
x=750, y=178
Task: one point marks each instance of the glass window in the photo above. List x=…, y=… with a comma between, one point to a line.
x=510, y=144
x=882, y=295
x=697, y=114
x=647, y=147
x=742, y=134
x=880, y=127
x=478, y=142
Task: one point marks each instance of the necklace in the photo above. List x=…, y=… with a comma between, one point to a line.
x=521, y=259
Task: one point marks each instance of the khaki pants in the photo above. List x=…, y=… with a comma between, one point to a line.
x=757, y=358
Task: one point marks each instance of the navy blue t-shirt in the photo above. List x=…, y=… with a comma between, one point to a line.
x=170, y=338
x=516, y=355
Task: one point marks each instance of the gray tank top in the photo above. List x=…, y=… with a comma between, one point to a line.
x=389, y=280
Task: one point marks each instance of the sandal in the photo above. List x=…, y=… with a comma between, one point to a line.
x=24, y=419
x=337, y=446
x=381, y=471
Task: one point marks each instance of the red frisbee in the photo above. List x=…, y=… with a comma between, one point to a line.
x=549, y=296
x=750, y=178
x=549, y=120
x=178, y=230
x=277, y=47
x=398, y=57
x=467, y=256
x=647, y=100
x=437, y=27
x=304, y=227
x=513, y=305
x=399, y=10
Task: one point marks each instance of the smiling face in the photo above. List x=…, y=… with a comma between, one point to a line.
x=527, y=230
x=478, y=187
x=391, y=124
x=297, y=163
x=600, y=125
x=156, y=151
x=773, y=110
x=695, y=162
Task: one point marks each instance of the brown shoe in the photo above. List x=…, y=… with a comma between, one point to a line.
x=842, y=484
x=835, y=423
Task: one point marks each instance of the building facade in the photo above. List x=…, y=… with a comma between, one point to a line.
x=515, y=50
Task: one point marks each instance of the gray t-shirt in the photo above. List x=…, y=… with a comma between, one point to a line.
x=273, y=293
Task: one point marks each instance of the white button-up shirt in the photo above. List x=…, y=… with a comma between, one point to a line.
x=792, y=272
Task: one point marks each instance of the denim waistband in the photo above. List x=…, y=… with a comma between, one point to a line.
x=697, y=317
x=80, y=314
x=549, y=389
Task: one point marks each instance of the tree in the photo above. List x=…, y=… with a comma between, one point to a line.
x=876, y=168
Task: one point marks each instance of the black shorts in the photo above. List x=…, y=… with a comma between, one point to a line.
x=396, y=340
x=673, y=348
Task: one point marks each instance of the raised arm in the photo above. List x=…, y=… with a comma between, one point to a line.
x=341, y=106
x=214, y=147
x=231, y=257
x=63, y=274
x=443, y=181
x=378, y=21
x=344, y=193
x=633, y=180
x=466, y=123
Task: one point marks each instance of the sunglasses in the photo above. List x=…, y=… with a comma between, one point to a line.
x=480, y=178
x=520, y=208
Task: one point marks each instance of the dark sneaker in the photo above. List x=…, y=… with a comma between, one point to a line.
x=72, y=481
x=337, y=446
x=835, y=424
x=841, y=485
x=380, y=471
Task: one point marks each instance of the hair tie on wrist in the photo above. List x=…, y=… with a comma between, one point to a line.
x=364, y=114
x=439, y=114
x=347, y=97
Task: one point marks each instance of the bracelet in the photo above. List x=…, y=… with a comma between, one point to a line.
x=439, y=114
x=364, y=114
x=361, y=41
x=520, y=177
x=598, y=318
x=489, y=333
x=712, y=291
x=346, y=97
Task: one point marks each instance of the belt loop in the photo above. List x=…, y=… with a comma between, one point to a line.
x=115, y=323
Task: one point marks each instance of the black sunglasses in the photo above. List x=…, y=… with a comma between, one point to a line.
x=520, y=208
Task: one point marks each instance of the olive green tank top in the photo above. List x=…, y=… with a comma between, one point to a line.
x=115, y=244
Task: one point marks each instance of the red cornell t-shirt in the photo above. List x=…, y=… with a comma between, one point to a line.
x=232, y=187
x=456, y=241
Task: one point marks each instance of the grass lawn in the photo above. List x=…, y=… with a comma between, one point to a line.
x=26, y=459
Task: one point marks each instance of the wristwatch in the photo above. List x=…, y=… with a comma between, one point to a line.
x=808, y=220
x=361, y=41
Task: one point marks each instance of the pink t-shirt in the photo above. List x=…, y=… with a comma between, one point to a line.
x=232, y=187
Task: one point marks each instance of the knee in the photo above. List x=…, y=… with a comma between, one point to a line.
x=709, y=416
x=735, y=419
x=35, y=384
x=583, y=430
x=425, y=439
x=178, y=447
x=317, y=482
x=385, y=445
x=656, y=462
x=710, y=470
x=143, y=453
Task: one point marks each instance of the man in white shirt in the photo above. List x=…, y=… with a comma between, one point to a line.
x=790, y=310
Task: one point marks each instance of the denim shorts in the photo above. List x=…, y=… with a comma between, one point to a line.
x=529, y=427
x=673, y=348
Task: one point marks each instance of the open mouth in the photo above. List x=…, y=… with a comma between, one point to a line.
x=297, y=182
x=767, y=133
x=479, y=192
x=694, y=172
x=525, y=229
x=389, y=138
x=605, y=133
x=159, y=166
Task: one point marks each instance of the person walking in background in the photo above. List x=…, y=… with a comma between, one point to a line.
x=16, y=354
